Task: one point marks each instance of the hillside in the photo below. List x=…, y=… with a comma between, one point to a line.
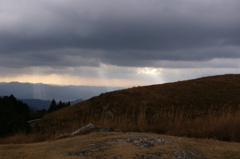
x=206, y=107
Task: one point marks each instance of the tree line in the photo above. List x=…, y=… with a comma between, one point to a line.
x=14, y=114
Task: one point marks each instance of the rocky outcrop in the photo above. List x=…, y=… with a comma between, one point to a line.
x=86, y=129
x=186, y=154
x=33, y=124
x=142, y=142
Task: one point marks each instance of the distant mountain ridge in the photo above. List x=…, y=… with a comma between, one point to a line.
x=38, y=104
x=49, y=92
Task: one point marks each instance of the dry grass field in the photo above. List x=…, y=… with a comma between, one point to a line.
x=207, y=107
x=118, y=145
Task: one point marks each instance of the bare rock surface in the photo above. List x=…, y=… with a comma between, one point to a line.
x=88, y=128
x=131, y=138
x=143, y=142
x=186, y=154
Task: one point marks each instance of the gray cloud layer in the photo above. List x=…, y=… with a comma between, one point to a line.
x=126, y=33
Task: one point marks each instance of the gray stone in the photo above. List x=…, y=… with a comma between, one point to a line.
x=186, y=154
x=80, y=153
x=64, y=135
x=88, y=127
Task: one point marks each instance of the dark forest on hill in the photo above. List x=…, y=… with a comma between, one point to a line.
x=14, y=115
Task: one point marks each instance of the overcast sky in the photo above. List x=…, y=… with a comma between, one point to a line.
x=117, y=43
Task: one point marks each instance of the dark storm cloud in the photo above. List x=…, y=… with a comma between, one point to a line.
x=126, y=33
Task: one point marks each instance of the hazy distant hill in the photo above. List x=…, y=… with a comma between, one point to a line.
x=38, y=104
x=204, y=107
x=48, y=92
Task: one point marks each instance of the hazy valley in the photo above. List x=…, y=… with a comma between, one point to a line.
x=39, y=95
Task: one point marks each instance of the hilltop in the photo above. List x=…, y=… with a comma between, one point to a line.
x=206, y=107
x=119, y=145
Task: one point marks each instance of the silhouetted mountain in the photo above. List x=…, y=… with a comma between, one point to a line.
x=49, y=92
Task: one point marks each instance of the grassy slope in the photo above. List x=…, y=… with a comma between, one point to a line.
x=59, y=149
x=205, y=107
